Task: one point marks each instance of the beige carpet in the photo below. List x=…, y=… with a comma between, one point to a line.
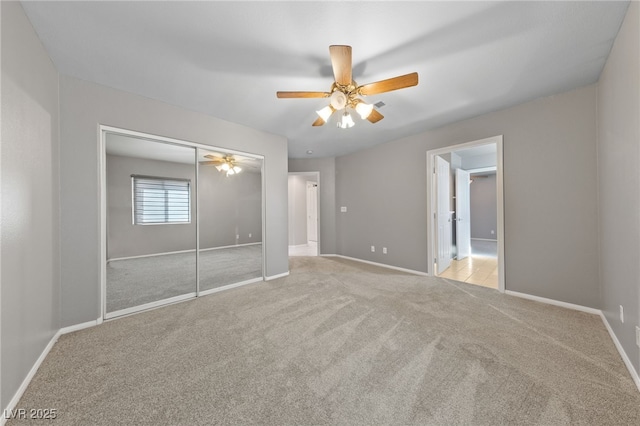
x=339, y=342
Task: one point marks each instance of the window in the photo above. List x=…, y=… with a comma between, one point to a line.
x=161, y=200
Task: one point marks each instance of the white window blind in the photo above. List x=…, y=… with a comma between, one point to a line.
x=160, y=200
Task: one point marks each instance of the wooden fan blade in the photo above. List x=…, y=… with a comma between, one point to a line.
x=375, y=116
x=390, y=84
x=341, y=62
x=289, y=95
x=318, y=122
x=214, y=158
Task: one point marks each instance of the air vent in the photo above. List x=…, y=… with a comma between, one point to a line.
x=379, y=104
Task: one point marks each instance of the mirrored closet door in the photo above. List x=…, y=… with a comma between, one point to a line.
x=230, y=219
x=181, y=220
x=151, y=223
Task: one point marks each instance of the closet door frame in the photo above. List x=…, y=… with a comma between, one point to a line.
x=103, y=130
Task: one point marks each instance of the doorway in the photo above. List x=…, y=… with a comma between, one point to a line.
x=461, y=248
x=304, y=208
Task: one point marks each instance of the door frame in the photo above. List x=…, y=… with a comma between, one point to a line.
x=103, y=130
x=313, y=185
x=431, y=203
x=316, y=176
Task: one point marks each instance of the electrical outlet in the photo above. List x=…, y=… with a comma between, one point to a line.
x=237, y=237
x=384, y=250
x=373, y=249
x=493, y=232
x=637, y=335
x=343, y=209
x=621, y=314
x=249, y=234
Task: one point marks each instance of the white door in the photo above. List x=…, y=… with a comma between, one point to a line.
x=443, y=216
x=463, y=215
x=312, y=211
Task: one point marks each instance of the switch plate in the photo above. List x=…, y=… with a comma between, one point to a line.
x=384, y=250
x=373, y=249
x=343, y=209
x=621, y=314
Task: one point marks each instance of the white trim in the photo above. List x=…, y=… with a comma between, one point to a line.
x=554, y=302
x=275, y=277
x=150, y=255
x=616, y=342
x=482, y=169
x=623, y=354
x=181, y=251
x=150, y=305
x=484, y=239
x=25, y=383
x=230, y=286
x=77, y=327
x=432, y=240
x=383, y=265
x=299, y=246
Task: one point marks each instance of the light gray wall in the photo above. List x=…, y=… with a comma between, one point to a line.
x=30, y=274
x=83, y=107
x=328, y=208
x=479, y=161
x=550, y=201
x=484, y=214
x=619, y=182
x=125, y=239
x=229, y=206
x=298, y=209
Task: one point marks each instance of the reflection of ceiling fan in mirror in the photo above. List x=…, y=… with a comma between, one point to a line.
x=226, y=164
x=345, y=93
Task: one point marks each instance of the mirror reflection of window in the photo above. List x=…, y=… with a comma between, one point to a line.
x=151, y=226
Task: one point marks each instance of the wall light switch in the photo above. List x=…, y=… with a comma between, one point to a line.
x=343, y=209
x=373, y=249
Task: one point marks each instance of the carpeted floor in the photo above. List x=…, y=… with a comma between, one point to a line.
x=339, y=342
x=134, y=282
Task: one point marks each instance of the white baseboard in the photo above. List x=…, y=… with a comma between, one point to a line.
x=25, y=383
x=396, y=268
x=623, y=354
x=616, y=342
x=78, y=327
x=554, y=302
x=182, y=251
x=230, y=286
x=485, y=239
x=275, y=277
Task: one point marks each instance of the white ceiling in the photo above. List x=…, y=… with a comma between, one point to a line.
x=228, y=59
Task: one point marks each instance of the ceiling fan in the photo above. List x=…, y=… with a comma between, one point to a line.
x=224, y=164
x=345, y=92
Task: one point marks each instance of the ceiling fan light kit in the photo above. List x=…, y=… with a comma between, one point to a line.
x=345, y=92
x=223, y=164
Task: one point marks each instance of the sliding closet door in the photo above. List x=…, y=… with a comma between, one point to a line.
x=151, y=223
x=230, y=219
